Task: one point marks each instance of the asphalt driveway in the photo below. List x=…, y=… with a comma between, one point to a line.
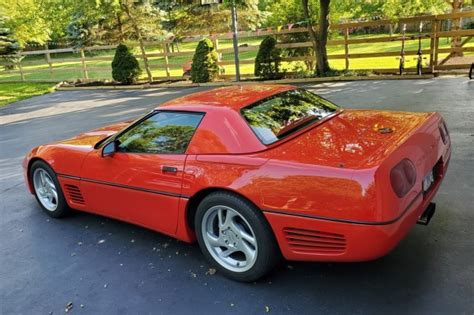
x=105, y=266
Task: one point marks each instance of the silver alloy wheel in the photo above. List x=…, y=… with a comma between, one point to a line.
x=45, y=189
x=229, y=238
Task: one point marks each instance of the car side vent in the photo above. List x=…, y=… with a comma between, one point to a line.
x=317, y=242
x=74, y=194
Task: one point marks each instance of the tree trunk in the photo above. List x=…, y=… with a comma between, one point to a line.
x=319, y=37
x=140, y=39
x=120, y=27
x=321, y=53
x=456, y=25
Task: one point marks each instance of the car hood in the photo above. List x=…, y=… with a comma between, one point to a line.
x=353, y=139
x=88, y=140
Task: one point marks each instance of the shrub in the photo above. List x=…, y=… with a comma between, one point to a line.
x=125, y=67
x=204, y=67
x=267, y=63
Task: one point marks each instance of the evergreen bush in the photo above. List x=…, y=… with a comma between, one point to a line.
x=267, y=62
x=204, y=67
x=125, y=67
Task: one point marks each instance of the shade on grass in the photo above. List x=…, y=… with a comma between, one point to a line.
x=12, y=92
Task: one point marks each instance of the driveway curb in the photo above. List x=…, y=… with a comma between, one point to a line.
x=229, y=83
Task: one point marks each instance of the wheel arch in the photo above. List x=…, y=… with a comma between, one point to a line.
x=199, y=196
x=28, y=170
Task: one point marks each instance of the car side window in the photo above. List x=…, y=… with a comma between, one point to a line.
x=164, y=132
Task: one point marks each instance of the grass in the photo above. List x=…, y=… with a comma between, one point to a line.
x=12, y=92
x=99, y=69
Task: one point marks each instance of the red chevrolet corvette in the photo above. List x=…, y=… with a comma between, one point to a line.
x=254, y=173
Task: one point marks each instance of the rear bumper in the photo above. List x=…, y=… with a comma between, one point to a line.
x=314, y=239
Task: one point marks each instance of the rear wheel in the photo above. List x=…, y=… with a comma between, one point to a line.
x=47, y=190
x=235, y=237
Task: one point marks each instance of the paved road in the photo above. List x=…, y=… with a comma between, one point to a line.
x=112, y=267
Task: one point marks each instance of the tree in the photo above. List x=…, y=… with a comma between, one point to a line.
x=204, y=67
x=190, y=17
x=126, y=7
x=9, y=46
x=319, y=36
x=267, y=62
x=125, y=67
x=25, y=21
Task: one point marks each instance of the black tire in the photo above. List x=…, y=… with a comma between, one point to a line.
x=62, y=208
x=268, y=254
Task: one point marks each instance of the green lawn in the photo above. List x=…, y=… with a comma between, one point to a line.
x=12, y=92
x=67, y=66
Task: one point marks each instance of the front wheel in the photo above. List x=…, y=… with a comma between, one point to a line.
x=47, y=190
x=235, y=237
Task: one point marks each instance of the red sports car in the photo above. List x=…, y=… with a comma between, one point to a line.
x=254, y=173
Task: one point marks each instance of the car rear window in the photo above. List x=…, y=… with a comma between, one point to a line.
x=280, y=115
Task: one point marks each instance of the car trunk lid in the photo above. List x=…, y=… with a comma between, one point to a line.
x=353, y=139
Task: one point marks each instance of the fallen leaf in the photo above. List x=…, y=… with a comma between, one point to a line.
x=211, y=271
x=267, y=308
x=68, y=307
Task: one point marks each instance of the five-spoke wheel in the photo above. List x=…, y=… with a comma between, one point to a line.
x=234, y=235
x=229, y=238
x=47, y=190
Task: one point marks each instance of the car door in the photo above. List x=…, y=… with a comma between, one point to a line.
x=141, y=181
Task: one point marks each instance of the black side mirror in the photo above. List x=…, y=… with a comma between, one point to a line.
x=109, y=149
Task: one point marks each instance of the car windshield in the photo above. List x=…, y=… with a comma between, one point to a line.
x=280, y=115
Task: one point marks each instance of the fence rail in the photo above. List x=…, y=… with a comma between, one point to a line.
x=83, y=65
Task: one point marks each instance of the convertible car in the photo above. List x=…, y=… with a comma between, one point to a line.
x=254, y=173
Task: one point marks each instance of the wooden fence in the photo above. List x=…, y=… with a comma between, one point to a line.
x=434, y=34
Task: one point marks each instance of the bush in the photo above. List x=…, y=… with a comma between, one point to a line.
x=267, y=63
x=204, y=67
x=125, y=67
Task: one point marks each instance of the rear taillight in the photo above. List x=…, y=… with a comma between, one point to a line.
x=443, y=131
x=403, y=177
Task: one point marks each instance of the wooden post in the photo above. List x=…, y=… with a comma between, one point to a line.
x=84, y=67
x=432, y=43
x=165, y=52
x=22, y=75
x=48, y=60
x=436, y=44
x=346, y=46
